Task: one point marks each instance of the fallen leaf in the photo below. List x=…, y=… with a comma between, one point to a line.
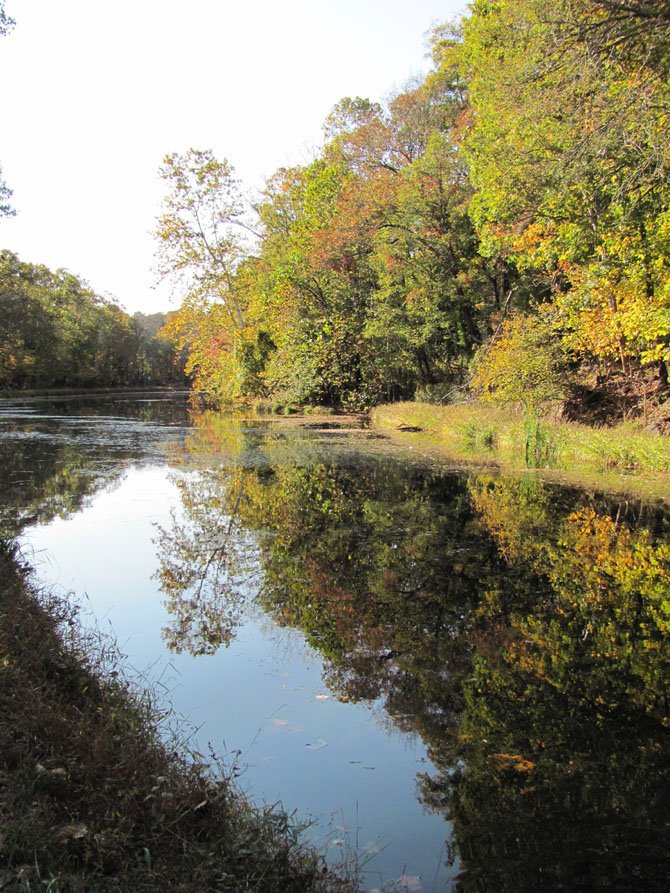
x=74, y=831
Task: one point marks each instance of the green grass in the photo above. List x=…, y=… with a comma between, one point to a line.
x=92, y=797
x=488, y=434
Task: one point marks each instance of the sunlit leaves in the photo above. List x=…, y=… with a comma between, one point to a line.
x=568, y=151
x=523, y=365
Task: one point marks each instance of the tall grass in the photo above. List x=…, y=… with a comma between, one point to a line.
x=488, y=433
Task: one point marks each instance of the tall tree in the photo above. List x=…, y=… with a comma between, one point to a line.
x=203, y=238
x=204, y=232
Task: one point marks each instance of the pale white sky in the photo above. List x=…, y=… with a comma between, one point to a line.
x=95, y=93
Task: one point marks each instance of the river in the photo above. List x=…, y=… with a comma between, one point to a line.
x=460, y=678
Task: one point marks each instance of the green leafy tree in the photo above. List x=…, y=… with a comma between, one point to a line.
x=314, y=285
x=568, y=151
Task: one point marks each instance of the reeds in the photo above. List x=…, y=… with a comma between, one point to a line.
x=487, y=433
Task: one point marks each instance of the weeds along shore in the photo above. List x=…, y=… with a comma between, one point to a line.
x=92, y=796
x=625, y=457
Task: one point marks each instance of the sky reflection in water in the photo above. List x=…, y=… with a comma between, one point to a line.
x=405, y=644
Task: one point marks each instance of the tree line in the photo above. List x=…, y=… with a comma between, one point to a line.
x=57, y=332
x=501, y=224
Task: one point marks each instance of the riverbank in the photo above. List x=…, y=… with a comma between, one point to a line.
x=91, y=795
x=20, y=393
x=624, y=457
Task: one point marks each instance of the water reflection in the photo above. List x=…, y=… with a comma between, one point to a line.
x=56, y=453
x=206, y=565
x=558, y=776
x=522, y=631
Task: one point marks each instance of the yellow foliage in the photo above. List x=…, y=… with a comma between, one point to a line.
x=522, y=365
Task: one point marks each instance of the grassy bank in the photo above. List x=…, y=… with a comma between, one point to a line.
x=91, y=798
x=624, y=456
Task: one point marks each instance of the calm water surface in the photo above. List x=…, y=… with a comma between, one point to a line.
x=462, y=677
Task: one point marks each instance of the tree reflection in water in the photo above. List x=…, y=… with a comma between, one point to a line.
x=521, y=630
x=206, y=566
x=57, y=453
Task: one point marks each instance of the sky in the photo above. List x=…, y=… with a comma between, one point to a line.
x=95, y=93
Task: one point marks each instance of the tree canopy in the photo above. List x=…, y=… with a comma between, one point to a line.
x=526, y=174
x=58, y=332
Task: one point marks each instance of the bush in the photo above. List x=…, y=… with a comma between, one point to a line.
x=523, y=365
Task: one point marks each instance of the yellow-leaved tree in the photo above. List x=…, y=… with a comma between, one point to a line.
x=203, y=237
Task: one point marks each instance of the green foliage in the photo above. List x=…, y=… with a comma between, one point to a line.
x=366, y=276
x=568, y=154
x=57, y=332
x=527, y=170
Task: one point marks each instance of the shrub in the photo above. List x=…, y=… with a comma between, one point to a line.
x=523, y=365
